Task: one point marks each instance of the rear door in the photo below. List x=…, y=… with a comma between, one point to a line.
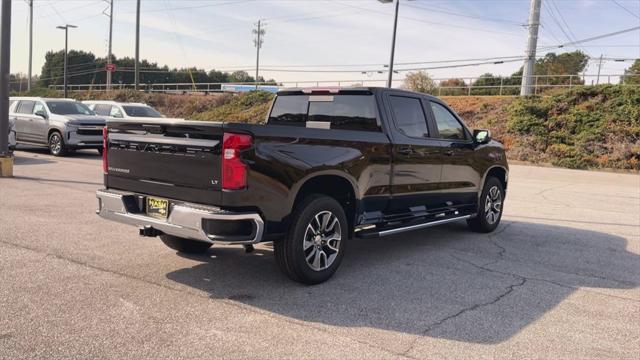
x=23, y=119
x=460, y=179
x=417, y=159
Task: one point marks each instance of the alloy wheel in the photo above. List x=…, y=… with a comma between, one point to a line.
x=55, y=143
x=493, y=205
x=322, y=240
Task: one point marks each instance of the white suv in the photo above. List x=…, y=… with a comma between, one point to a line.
x=126, y=111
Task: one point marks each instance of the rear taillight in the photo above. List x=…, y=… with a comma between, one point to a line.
x=105, y=148
x=234, y=171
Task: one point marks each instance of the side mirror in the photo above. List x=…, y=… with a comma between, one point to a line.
x=481, y=136
x=41, y=113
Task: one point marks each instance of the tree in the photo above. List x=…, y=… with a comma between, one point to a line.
x=490, y=84
x=81, y=68
x=453, y=87
x=420, y=81
x=634, y=71
x=240, y=76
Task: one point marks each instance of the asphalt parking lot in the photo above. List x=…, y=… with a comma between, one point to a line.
x=560, y=278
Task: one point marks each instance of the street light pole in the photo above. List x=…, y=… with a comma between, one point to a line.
x=393, y=40
x=66, y=52
x=6, y=160
x=137, y=64
x=110, y=36
x=30, y=44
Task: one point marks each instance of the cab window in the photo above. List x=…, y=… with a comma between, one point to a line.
x=448, y=126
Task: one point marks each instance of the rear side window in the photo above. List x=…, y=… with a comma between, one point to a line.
x=448, y=126
x=25, y=107
x=409, y=116
x=101, y=109
x=342, y=112
x=290, y=110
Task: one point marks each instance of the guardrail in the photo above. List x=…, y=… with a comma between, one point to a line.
x=490, y=86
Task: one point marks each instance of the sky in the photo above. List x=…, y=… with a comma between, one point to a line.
x=337, y=39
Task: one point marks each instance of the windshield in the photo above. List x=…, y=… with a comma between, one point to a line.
x=69, y=108
x=141, y=111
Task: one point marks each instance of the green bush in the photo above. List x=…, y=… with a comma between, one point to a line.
x=586, y=127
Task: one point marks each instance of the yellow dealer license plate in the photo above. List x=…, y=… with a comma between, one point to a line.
x=157, y=208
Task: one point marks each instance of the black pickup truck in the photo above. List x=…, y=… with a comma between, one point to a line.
x=328, y=165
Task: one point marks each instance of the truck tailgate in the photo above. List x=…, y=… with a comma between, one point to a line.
x=165, y=155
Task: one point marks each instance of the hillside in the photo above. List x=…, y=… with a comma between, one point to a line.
x=588, y=127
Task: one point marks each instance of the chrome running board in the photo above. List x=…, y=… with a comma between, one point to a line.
x=373, y=233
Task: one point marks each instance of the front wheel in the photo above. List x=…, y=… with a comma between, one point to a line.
x=57, y=147
x=314, y=246
x=186, y=246
x=489, y=208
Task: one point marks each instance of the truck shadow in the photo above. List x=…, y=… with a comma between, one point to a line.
x=443, y=282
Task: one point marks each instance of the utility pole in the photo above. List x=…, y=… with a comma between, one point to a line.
x=66, y=52
x=30, y=44
x=259, y=33
x=137, y=65
x=393, y=45
x=532, y=43
x=6, y=159
x=109, y=60
x=599, y=67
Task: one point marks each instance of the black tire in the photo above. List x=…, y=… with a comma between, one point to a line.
x=186, y=246
x=490, y=207
x=301, y=243
x=57, y=146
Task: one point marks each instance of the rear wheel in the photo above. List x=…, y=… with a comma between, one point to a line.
x=57, y=147
x=489, y=208
x=313, y=248
x=186, y=246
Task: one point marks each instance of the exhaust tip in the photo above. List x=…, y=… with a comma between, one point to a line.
x=148, y=231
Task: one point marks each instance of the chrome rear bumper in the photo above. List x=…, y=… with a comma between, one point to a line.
x=184, y=220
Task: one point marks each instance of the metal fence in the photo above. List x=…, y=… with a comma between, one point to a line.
x=488, y=86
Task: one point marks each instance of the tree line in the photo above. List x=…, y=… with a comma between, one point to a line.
x=556, y=69
x=85, y=68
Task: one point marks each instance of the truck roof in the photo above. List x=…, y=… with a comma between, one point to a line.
x=328, y=90
x=38, y=98
x=111, y=102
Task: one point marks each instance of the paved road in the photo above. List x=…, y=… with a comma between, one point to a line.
x=559, y=279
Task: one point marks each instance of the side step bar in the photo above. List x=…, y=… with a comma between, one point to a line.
x=391, y=231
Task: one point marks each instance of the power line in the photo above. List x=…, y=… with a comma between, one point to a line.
x=594, y=38
x=191, y=7
x=626, y=9
x=432, y=22
x=432, y=9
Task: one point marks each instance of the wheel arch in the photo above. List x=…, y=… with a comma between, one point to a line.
x=498, y=171
x=330, y=183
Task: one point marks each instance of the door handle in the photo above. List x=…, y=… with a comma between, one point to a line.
x=449, y=152
x=405, y=151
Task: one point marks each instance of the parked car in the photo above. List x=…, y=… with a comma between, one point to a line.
x=127, y=111
x=12, y=132
x=328, y=165
x=63, y=125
